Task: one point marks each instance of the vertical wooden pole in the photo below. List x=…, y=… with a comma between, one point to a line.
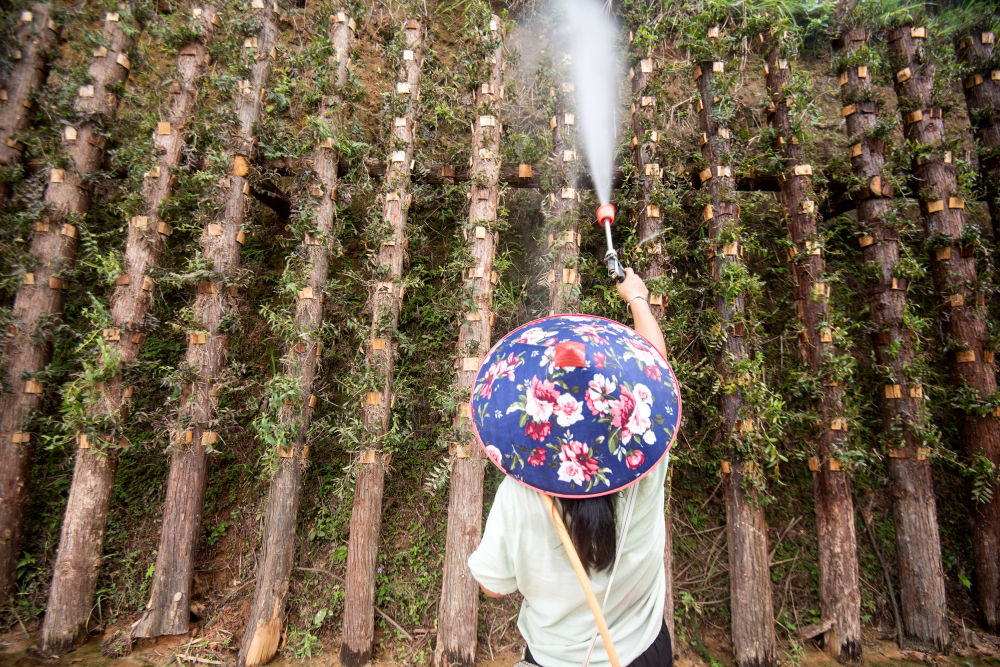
x=168, y=609
x=562, y=209
x=459, y=608
x=650, y=176
x=645, y=138
x=266, y=622
x=40, y=298
x=36, y=34
x=386, y=299
x=917, y=541
x=955, y=275
x=839, y=594
x=982, y=98
x=752, y=614
x=81, y=543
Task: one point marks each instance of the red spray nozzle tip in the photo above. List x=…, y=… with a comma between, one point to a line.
x=606, y=212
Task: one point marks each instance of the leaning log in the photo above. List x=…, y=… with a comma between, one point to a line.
x=266, y=622
x=918, y=548
x=459, y=608
x=40, y=298
x=751, y=608
x=167, y=612
x=961, y=302
x=36, y=34
x=839, y=594
x=81, y=542
x=386, y=299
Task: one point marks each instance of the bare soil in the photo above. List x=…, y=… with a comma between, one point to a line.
x=968, y=650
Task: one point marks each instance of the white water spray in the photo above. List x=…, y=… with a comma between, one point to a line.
x=591, y=38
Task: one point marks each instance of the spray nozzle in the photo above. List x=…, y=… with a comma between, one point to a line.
x=606, y=216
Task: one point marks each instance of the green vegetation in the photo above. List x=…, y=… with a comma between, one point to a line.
x=775, y=382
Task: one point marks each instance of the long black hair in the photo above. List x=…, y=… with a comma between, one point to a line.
x=591, y=526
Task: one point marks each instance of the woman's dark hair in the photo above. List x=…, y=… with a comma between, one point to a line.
x=591, y=526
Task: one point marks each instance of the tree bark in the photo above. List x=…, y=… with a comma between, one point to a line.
x=955, y=276
x=459, y=608
x=40, y=298
x=982, y=98
x=654, y=263
x=918, y=549
x=752, y=613
x=386, y=298
x=562, y=212
x=301, y=361
x=81, y=543
x=36, y=35
x=168, y=609
x=840, y=596
x=650, y=176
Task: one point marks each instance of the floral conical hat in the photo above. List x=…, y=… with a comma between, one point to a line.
x=575, y=405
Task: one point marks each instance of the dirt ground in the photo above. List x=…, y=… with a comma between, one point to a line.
x=970, y=650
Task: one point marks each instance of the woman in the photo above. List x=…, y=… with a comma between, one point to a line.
x=520, y=549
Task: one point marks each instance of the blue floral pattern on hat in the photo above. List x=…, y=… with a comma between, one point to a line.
x=575, y=405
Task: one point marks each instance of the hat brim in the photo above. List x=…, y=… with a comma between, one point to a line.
x=507, y=444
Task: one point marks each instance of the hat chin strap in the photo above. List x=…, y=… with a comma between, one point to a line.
x=581, y=573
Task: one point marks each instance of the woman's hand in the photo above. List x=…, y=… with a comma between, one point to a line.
x=633, y=288
x=636, y=294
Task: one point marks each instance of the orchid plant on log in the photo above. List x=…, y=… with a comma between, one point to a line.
x=286, y=435
x=386, y=300
x=41, y=296
x=74, y=578
x=458, y=614
x=168, y=609
x=840, y=597
x=959, y=290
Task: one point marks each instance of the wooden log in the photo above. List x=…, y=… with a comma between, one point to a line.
x=562, y=215
x=840, y=596
x=266, y=622
x=168, y=609
x=964, y=324
x=27, y=351
x=917, y=542
x=458, y=610
x=366, y=515
x=649, y=224
x=35, y=36
x=982, y=98
x=74, y=579
x=752, y=617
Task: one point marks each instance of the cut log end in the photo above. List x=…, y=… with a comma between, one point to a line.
x=349, y=658
x=449, y=659
x=264, y=643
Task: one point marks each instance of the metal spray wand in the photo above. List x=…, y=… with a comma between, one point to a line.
x=606, y=216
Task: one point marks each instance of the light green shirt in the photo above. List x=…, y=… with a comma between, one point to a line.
x=521, y=551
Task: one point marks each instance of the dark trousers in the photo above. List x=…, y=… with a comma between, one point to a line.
x=659, y=654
